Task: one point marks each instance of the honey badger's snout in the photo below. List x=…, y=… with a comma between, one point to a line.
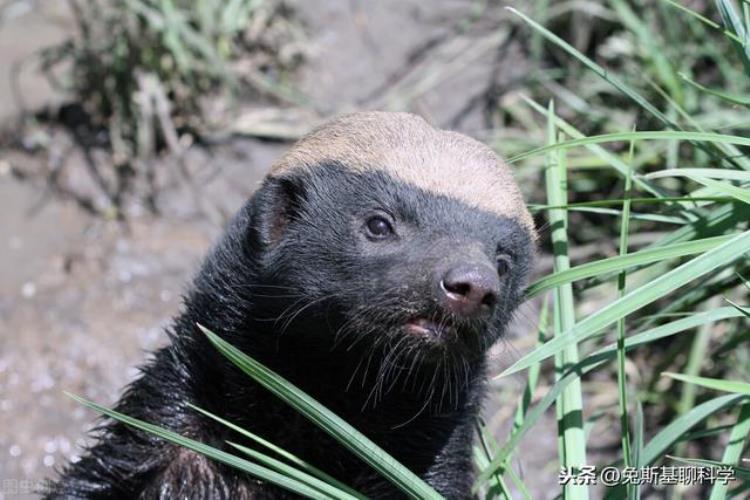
x=466, y=283
x=465, y=289
x=469, y=289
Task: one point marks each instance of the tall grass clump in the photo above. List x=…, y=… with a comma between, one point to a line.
x=636, y=123
x=190, y=50
x=143, y=76
x=652, y=127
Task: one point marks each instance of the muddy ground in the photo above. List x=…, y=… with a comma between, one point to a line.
x=82, y=299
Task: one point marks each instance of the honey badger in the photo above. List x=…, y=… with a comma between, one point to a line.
x=375, y=266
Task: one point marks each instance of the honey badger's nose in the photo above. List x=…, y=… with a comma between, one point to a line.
x=470, y=289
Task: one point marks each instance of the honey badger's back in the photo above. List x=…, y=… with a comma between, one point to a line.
x=227, y=296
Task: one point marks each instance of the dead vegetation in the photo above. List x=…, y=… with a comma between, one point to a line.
x=146, y=79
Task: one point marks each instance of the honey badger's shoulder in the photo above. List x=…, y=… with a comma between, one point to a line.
x=374, y=267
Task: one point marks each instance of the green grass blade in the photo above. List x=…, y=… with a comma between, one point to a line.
x=739, y=193
x=637, y=447
x=731, y=98
x=667, y=330
x=719, y=220
x=734, y=23
x=696, y=358
x=293, y=459
x=295, y=473
x=740, y=472
x=526, y=397
x=733, y=451
x=570, y=403
x=668, y=219
x=518, y=483
x=712, y=383
x=634, y=300
x=618, y=201
x=711, y=173
x=719, y=151
x=332, y=424
x=643, y=34
x=485, y=439
x=739, y=308
x=621, y=355
x=533, y=375
x=616, y=264
x=256, y=470
x=603, y=73
x=608, y=76
x=659, y=135
x=495, y=487
x=667, y=437
x=703, y=19
x=609, y=158
x=594, y=361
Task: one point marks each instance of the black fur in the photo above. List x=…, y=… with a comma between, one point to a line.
x=296, y=283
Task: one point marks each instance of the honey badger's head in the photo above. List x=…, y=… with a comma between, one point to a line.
x=380, y=231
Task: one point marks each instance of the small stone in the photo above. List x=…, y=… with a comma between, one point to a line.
x=50, y=446
x=28, y=290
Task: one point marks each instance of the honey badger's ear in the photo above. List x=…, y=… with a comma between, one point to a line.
x=275, y=205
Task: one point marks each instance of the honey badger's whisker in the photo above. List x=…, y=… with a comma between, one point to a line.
x=415, y=416
x=271, y=289
x=354, y=373
x=395, y=369
x=416, y=360
x=384, y=370
x=289, y=310
x=369, y=310
x=291, y=316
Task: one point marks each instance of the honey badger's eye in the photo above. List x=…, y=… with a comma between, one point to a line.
x=378, y=226
x=503, y=264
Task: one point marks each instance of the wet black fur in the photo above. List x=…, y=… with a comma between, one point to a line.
x=296, y=283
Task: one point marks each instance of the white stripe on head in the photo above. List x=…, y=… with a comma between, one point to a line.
x=408, y=148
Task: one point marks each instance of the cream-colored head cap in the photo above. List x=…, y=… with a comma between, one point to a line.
x=409, y=149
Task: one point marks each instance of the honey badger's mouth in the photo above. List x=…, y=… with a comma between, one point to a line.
x=424, y=327
x=443, y=330
x=432, y=328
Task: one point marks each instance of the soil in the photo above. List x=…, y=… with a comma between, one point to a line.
x=84, y=299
